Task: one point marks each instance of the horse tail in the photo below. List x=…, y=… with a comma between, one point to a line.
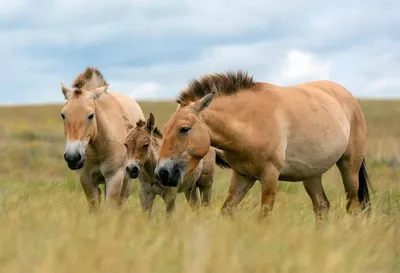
x=363, y=191
x=220, y=159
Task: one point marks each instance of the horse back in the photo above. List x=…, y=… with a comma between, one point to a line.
x=131, y=109
x=344, y=97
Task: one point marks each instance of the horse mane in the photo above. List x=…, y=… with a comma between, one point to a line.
x=89, y=79
x=156, y=132
x=224, y=84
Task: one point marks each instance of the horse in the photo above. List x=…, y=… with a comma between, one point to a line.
x=95, y=135
x=269, y=133
x=143, y=143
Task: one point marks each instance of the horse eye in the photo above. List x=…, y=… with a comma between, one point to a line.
x=184, y=130
x=126, y=145
x=90, y=117
x=62, y=116
x=145, y=145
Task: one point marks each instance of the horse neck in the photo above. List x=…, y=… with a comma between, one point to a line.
x=108, y=111
x=222, y=133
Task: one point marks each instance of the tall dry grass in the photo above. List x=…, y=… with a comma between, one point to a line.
x=45, y=226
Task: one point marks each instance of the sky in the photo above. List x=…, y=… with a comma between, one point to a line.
x=150, y=49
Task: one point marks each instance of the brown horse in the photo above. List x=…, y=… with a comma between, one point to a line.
x=269, y=133
x=143, y=145
x=95, y=133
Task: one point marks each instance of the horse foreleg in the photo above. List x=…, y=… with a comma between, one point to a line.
x=205, y=194
x=146, y=199
x=318, y=197
x=126, y=189
x=169, y=198
x=114, y=185
x=204, y=184
x=240, y=185
x=92, y=191
x=192, y=198
x=269, y=187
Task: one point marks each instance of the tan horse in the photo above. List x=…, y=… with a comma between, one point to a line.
x=143, y=145
x=269, y=133
x=95, y=132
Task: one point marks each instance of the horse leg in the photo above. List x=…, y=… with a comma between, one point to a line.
x=318, y=197
x=204, y=183
x=169, y=198
x=126, y=190
x=146, y=200
x=205, y=194
x=192, y=198
x=114, y=184
x=349, y=167
x=269, y=188
x=92, y=191
x=240, y=185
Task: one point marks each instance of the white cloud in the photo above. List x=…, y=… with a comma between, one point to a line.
x=302, y=66
x=138, y=90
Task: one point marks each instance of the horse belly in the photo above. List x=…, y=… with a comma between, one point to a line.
x=314, y=149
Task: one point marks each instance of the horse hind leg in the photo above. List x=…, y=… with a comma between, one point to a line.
x=318, y=197
x=355, y=178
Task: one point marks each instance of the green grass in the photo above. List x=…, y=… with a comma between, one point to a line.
x=45, y=226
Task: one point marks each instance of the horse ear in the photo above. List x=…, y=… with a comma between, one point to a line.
x=96, y=93
x=204, y=102
x=65, y=91
x=127, y=123
x=150, y=122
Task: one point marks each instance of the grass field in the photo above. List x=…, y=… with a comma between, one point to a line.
x=45, y=226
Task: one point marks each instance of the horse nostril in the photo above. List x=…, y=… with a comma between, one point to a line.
x=74, y=158
x=164, y=175
x=133, y=171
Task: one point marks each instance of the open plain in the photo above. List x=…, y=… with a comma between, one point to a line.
x=45, y=225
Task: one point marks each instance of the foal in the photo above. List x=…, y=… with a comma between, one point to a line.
x=143, y=145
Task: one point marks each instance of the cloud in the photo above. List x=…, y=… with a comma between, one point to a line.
x=151, y=49
x=139, y=90
x=8, y=8
x=302, y=66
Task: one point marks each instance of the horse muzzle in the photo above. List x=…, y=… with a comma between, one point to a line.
x=75, y=161
x=133, y=171
x=168, y=175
